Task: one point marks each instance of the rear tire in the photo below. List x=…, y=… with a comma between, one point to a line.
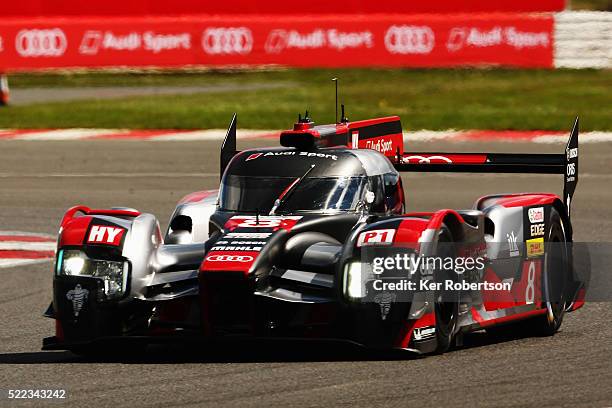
x=555, y=281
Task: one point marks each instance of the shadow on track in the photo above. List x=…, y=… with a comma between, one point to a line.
x=246, y=352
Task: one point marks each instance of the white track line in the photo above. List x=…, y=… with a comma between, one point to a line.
x=432, y=135
x=26, y=246
x=27, y=234
x=10, y=263
x=213, y=134
x=587, y=137
x=67, y=134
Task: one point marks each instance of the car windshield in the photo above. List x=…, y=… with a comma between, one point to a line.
x=258, y=194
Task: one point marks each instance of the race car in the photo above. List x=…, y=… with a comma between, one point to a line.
x=301, y=242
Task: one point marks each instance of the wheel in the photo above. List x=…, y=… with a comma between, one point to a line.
x=555, y=280
x=446, y=306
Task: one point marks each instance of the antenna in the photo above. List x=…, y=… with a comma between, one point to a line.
x=336, y=82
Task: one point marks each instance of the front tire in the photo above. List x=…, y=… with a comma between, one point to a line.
x=446, y=306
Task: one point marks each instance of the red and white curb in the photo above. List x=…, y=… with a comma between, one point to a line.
x=533, y=136
x=23, y=248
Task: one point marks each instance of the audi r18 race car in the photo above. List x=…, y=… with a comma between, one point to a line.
x=292, y=245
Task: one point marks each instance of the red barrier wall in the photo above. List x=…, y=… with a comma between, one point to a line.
x=325, y=41
x=49, y=8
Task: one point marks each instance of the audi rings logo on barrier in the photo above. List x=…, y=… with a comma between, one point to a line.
x=409, y=39
x=50, y=42
x=427, y=159
x=227, y=41
x=229, y=258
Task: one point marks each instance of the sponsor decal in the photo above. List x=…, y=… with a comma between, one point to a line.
x=78, y=296
x=34, y=43
x=537, y=230
x=409, y=39
x=570, y=172
x=230, y=258
x=535, y=247
x=475, y=37
x=241, y=245
x=90, y=43
x=424, y=333
x=384, y=301
x=512, y=244
x=524, y=39
x=157, y=43
x=94, y=41
x=376, y=237
x=262, y=221
x=229, y=261
x=381, y=145
x=572, y=153
x=254, y=156
x=536, y=214
x=279, y=40
x=103, y=234
x=427, y=159
x=248, y=235
x=227, y=41
x=118, y=42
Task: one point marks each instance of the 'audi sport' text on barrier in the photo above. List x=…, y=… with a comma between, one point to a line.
x=326, y=41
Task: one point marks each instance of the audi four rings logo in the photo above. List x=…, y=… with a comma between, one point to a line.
x=408, y=39
x=227, y=40
x=229, y=258
x=427, y=159
x=50, y=42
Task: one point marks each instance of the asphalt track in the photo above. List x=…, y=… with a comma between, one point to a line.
x=39, y=180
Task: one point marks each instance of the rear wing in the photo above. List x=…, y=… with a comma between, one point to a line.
x=385, y=136
x=381, y=134
x=564, y=163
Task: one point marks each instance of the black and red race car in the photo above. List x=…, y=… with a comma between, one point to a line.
x=307, y=241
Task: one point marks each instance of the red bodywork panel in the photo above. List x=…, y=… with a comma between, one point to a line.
x=73, y=229
x=197, y=196
x=517, y=200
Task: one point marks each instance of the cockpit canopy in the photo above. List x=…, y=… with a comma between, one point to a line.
x=324, y=181
x=258, y=194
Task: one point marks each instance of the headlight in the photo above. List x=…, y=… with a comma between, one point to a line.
x=353, y=280
x=113, y=273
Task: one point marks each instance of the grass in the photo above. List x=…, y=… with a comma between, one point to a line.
x=429, y=99
x=601, y=5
